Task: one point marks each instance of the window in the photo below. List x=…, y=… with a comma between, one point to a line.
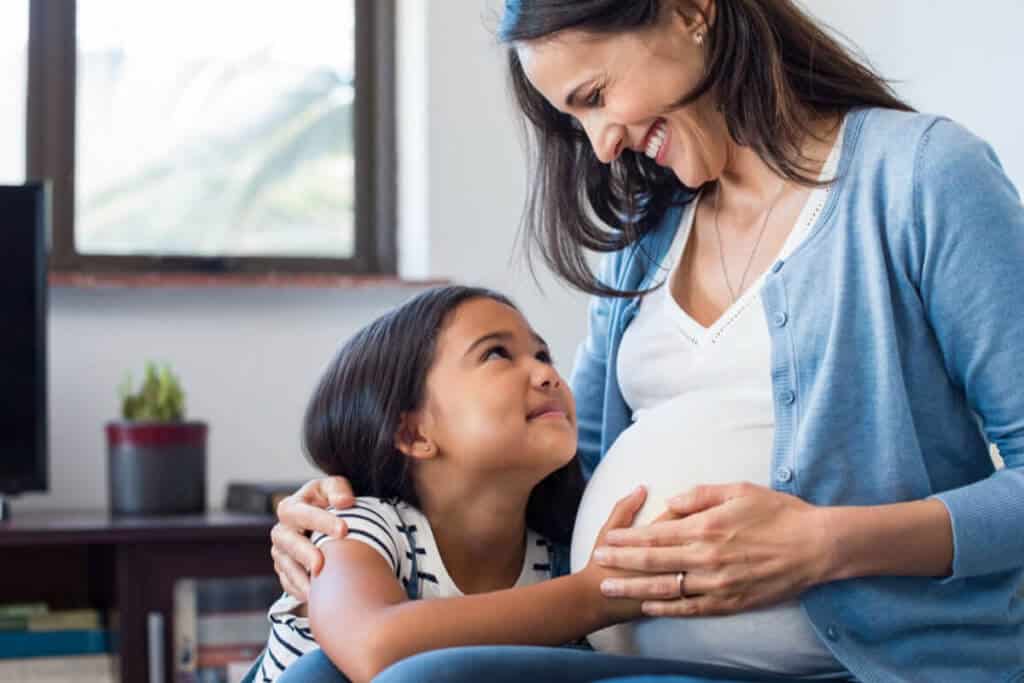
x=219, y=137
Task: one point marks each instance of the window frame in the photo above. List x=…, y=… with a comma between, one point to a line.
x=50, y=153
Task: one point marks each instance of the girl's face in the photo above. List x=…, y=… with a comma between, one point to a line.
x=494, y=401
x=621, y=88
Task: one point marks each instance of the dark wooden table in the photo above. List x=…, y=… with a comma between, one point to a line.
x=91, y=559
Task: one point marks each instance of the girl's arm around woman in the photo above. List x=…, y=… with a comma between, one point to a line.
x=363, y=621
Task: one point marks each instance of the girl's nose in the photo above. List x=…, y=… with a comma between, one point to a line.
x=546, y=377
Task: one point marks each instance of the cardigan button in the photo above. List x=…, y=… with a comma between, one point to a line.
x=780, y=319
x=787, y=397
x=832, y=633
x=777, y=267
x=784, y=474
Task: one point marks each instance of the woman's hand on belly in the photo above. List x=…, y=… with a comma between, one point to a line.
x=741, y=546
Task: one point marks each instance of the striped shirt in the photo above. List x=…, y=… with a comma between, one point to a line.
x=398, y=532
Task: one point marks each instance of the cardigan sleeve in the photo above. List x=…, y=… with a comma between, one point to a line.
x=589, y=373
x=970, y=223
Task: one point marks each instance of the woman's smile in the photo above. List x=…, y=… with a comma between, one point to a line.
x=656, y=142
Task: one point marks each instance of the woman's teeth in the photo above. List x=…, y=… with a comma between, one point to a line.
x=656, y=140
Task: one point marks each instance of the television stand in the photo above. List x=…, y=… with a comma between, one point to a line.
x=76, y=559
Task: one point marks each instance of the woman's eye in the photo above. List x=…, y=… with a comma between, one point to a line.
x=497, y=352
x=595, y=97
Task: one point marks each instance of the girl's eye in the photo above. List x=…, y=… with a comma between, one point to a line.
x=497, y=352
x=545, y=357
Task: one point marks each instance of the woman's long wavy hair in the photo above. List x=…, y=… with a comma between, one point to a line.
x=771, y=70
x=355, y=411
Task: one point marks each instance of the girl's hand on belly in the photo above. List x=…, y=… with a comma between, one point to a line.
x=740, y=545
x=613, y=611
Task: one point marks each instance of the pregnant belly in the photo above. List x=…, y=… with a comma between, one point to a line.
x=670, y=450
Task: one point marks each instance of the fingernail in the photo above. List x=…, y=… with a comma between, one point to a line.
x=613, y=537
x=648, y=609
x=339, y=529
x=601, y=555
x=611, y=587
x=678, y=501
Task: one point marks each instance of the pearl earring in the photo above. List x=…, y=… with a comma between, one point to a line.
x=699, y=38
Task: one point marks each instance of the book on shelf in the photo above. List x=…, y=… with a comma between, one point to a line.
x=97, y=668
x=39, y=645
x=232, y=629
x=185, y=642
x=23, y=609
x=220, y=622
x=23, y=644
x=222, y=656
x=61, y=620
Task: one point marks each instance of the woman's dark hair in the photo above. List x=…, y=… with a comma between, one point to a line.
x=354, y=414
x=770, y=68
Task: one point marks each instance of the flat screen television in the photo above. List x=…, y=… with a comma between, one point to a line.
x=24, y=223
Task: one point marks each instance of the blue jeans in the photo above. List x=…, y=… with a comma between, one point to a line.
x=520, y=664
x=312, y=667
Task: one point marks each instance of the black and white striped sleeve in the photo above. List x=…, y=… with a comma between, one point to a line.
x=373, y=522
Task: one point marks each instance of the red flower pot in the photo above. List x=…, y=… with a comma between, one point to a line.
x=156, y=467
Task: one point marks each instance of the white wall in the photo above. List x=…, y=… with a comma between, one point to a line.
x=962, y=60
x=249, y=357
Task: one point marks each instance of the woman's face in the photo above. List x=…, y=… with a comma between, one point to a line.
x=620, y=88
x=494, y=401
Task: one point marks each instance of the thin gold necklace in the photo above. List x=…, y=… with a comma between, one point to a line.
x=721, y=249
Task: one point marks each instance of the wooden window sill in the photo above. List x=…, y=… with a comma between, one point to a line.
x=73, y=280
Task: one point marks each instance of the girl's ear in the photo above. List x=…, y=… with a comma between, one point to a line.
x=412, y=439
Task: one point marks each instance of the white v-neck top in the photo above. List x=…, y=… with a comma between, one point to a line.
x=666, y=353
x=703, y=409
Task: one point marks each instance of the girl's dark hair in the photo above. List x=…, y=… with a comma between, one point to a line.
x=770, y=69
x=354, y=414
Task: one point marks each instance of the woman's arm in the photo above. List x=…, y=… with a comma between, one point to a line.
x=902, y=539
x=589, y=372
x=362, y=620
x=969, y=269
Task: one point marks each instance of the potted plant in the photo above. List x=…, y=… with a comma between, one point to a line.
x=156, y=460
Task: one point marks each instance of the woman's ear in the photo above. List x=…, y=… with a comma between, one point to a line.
x=412, y=437
x=695, y=16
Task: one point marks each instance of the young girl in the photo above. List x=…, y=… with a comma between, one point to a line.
x=450, y=412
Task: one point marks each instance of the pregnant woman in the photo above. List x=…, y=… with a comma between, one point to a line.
x=804, y=335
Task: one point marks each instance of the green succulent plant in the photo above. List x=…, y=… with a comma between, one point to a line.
x=159, y=399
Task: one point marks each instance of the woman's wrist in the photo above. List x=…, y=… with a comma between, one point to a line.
x=901, y=539
x=831, y=526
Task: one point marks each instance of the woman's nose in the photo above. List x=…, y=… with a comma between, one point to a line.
x=606, y=138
